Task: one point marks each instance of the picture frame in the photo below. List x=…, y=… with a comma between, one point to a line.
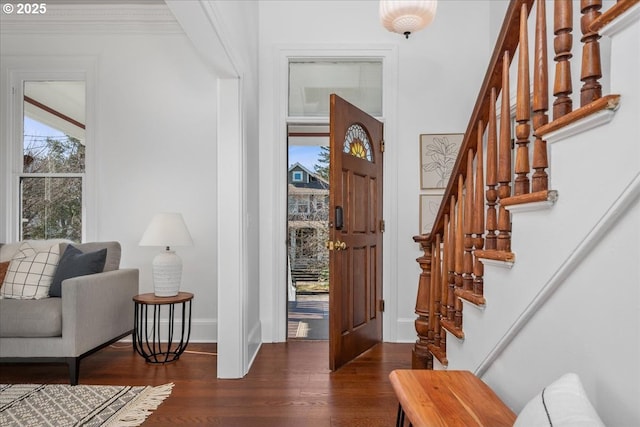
x=438, y=153
x=429, y=206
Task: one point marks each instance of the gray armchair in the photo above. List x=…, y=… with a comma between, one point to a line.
x=94, y=311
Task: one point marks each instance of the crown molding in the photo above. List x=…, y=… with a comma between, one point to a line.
x=93, y=18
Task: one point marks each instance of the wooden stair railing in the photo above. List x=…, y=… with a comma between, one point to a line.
x=473, y=224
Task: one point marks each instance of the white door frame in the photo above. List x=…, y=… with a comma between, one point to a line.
x=201, y=22
x=273, y=185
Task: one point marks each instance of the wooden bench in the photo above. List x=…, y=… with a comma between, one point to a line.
x=447, y=398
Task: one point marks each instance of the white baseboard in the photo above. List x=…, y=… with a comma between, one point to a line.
x=406, y=330
x=202, y=330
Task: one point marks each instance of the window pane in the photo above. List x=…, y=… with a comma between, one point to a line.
x=51, y=208
x=311, y=83
x=52, y=154
x=54, y=130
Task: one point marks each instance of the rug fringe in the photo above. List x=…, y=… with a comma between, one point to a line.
x=137, y=411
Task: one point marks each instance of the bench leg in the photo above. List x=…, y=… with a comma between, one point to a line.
x=400, y=416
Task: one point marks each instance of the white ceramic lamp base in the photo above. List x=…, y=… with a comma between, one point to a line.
x=167, y=273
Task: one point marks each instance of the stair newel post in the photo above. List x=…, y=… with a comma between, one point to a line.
x=478, y=214
x=539, y=180
x=436, y=288
x=459, y=252
x=523, y=109
x=591, y=70
x=492, y=179
x=451, y=263
x=562, y=44
x=444, y=280
x=421, y=358
x=467, y=263
x=504, y=162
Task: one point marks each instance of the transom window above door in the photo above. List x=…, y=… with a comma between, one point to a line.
x=312, y=81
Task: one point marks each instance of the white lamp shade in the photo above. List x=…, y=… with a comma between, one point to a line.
x=166, y=229
x=407, y=16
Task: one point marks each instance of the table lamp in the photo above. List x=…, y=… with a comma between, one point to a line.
x=167, y=230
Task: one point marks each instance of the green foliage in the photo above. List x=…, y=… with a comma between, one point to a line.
x=322, y=165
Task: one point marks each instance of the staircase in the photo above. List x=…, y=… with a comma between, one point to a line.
x=305, y=275
x=306, y=270
x=532, y=268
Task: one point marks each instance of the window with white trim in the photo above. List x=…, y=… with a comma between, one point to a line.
x=51, y=172
x=296, y=176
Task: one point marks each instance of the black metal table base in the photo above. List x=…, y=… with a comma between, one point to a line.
x=400, y=417
x=147, y=338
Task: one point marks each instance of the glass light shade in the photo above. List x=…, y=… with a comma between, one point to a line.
x=407, y=16
x=166, y=229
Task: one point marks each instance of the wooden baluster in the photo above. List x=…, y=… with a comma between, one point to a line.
x=591, y=70
x=478, y=214
x=504, y=161
x=459, y=254
x=540, y=180
x=451, y=263
x=523, y=109
x=467, y=263
x=492, y=179
x=562, y=27
x=436, y=288
x=421, y=358
x=444, y=280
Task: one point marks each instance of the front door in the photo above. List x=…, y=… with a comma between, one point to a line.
x=355, y=232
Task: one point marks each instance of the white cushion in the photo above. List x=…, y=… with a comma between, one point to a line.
x=563, y=403
x=30, y=273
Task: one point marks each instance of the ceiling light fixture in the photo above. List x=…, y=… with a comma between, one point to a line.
x=407, y=16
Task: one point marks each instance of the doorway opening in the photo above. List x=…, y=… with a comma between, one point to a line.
x=311, y=81
x=308, y=232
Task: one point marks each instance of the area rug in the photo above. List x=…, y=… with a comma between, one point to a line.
x=81, y=405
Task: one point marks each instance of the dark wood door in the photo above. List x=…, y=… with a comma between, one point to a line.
x=355, y=232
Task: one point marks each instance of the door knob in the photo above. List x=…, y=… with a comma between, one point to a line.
x=337, y=245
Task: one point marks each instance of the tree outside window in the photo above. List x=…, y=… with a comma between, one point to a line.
x=51, y=189
x=53, y=160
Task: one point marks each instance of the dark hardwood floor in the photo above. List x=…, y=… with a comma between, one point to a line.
x=289, y=385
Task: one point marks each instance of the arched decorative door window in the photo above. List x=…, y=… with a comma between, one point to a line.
x=356, y=143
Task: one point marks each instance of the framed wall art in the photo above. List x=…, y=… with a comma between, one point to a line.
x=438, y=154
x=429, y=205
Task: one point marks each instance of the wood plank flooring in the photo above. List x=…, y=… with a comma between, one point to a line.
x=289, y=385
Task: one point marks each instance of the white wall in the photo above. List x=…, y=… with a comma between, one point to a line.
x=439, y=74
x=225, y=35
x=155, y=127
x=241, y=24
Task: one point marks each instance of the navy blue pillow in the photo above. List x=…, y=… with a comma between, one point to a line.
x=74, y=263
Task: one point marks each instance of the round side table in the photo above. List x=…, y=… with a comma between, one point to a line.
x=146, y=337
